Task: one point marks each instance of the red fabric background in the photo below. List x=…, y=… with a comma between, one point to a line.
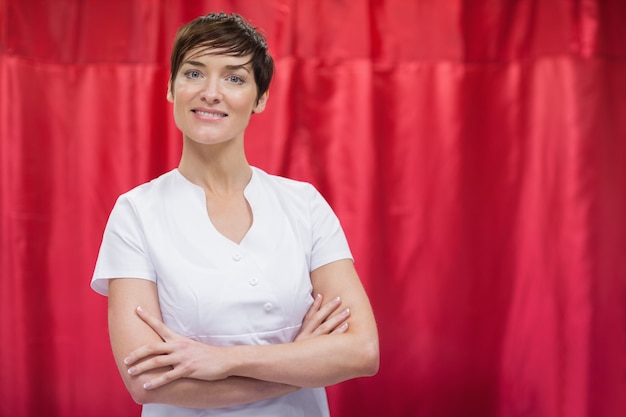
x=475, y=152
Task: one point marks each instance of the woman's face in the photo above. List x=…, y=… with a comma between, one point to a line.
x=214, y=96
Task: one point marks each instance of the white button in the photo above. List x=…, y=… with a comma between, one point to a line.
x=253, y=281
x=267, y=306
x=236, y=256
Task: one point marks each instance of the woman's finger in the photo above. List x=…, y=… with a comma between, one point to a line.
x=166, y=378
x=321, y=319
x=332, y=323
x=148, y=350
x=309, y=323
x=157, y=325
x=329, y=308
x=315, y=307
x=155, y=362
x=317, y=324
x=341, y=329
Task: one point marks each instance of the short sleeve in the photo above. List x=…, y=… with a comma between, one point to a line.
x=123, y=252
x=329, y=240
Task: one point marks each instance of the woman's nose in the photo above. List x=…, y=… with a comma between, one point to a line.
x=212, y=91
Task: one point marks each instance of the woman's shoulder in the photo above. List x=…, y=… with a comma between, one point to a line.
x=154, y=188
x=294, y=196
x=281, y=183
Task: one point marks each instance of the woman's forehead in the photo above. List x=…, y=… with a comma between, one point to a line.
x=207, y=52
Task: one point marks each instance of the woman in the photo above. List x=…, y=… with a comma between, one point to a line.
x=210, y=268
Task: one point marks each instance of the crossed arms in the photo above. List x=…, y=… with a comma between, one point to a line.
x=160, y=366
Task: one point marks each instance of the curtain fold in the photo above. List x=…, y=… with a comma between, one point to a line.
x=475, y=153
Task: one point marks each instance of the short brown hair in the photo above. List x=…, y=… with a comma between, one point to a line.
x=230, y=33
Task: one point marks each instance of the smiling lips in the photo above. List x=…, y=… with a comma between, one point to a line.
x=210, y=114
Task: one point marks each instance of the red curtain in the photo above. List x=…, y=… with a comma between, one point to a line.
x=475, y=152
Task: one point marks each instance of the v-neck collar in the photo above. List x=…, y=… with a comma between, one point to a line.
x=251, y=193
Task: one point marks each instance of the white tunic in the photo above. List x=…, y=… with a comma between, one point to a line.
x=216, y=291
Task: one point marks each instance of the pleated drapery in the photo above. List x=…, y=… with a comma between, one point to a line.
x=475, y=152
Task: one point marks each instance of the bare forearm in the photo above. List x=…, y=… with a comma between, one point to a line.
x=193, y=393
x=316, y=362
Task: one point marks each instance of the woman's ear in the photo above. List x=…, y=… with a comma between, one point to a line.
x=261, y=102
x=170, y=96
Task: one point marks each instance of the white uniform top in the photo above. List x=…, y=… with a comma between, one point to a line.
x=216, y=291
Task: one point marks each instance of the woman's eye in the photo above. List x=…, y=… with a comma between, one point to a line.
x=192, y=74
x=235, y=79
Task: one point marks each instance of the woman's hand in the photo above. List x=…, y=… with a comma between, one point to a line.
x=187, y=358
x=323, y=319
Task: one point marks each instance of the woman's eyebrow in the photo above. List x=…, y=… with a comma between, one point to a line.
x=237, y=67
x=194, y=63
x=245, y=67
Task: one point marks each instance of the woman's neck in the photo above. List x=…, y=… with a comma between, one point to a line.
x=219, y=169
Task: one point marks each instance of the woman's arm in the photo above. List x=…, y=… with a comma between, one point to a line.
x=307, y=362
x=324, y=360
x=128, y=332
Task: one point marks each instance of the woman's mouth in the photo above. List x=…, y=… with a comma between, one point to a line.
x=209, y=113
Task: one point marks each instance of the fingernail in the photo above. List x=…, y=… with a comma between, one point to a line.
x=336, y=300
x=139, y=308
x=344, y=326
x=131, y=370
x=127, y=360
x=345, y=312
x=147, y=385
